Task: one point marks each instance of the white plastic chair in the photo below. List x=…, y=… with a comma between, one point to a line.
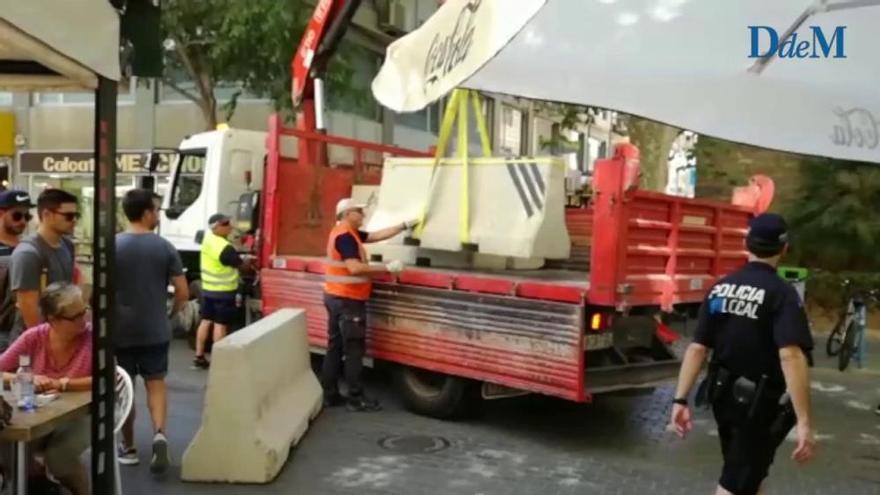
x=124, y=403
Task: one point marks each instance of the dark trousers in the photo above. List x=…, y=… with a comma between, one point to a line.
x=346, y=336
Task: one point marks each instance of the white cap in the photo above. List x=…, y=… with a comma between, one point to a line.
x=347, y=204
x=24, y=360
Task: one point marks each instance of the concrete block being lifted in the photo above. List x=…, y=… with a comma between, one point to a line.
x=260, y=399
x=515, y=207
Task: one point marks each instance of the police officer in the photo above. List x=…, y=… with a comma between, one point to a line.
x=758, y=382
x=347, y=288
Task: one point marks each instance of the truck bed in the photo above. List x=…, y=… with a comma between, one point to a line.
x=629, y=247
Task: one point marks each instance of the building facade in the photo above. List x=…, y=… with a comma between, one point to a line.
x=151, y=114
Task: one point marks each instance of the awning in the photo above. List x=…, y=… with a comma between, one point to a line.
x=57, y=45
x=683, y=62
x=74, y=45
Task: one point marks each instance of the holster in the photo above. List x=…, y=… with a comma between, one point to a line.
x=714, y=387
x=784, y=421
x=742, y=397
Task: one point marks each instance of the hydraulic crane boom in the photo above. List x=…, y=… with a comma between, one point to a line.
x=325, y=30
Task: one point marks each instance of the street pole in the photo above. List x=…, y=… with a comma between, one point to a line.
x=103, y=317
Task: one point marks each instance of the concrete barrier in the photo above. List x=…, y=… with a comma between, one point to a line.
x=260, y=398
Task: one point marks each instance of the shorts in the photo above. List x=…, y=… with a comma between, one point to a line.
x=748, y=452
x=149, y=361
x=219, y=310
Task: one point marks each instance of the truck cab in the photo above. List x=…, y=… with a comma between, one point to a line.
x=213, y=170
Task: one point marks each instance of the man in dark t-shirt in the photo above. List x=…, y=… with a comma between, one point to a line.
x=46, y=257
x=15, y=214
x=143, y=331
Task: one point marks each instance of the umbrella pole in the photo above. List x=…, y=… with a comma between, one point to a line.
x=103, y=264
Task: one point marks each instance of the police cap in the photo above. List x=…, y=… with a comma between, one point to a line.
x=768, y=235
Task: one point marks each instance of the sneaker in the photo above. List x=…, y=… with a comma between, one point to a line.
x=201, y=363
x=127, y=456
x=334, y=400
x=160, y=461
x=363, y=404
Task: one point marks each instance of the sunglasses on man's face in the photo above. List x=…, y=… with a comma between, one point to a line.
x=70, y=216
x=18, y=216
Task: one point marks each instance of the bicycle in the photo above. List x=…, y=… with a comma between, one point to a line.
x=847, y=337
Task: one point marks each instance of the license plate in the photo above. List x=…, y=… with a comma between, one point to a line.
x=595, y=342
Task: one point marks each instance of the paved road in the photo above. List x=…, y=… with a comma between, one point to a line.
x=617, y=445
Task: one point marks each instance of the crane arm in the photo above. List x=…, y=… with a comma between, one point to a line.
x=325, y=30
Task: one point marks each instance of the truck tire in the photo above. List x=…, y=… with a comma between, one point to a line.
x=435, y=394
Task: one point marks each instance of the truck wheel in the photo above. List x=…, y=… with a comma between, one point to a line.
x=435, y=394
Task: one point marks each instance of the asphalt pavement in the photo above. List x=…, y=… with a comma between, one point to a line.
x=617, y=445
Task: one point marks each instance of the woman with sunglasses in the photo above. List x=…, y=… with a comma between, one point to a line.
x=61, y=358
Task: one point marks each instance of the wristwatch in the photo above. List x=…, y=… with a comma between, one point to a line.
x=681, y=401
x=64, y=382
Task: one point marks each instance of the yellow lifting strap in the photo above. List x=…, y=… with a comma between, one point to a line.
x=457, y=110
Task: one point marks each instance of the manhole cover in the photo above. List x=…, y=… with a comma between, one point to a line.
x=414, y=444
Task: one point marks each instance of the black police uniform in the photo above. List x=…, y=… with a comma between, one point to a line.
x=746, y=318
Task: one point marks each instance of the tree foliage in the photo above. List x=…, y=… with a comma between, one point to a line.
x=834, y=219
x=830, y=204
x=245, y=43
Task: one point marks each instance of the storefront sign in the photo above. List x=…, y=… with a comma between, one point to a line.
x=83, y=162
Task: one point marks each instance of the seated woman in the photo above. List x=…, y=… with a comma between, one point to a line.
x=61, y=359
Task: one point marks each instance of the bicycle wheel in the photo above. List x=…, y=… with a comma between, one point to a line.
x=848, y=347
x=835, y=340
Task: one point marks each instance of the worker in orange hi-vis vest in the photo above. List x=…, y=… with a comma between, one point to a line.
x=346, y=291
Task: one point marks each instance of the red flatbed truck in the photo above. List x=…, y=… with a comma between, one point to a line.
x=579, y=327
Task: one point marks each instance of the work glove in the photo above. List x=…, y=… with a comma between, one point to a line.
x=395, y=266
x=409, y=224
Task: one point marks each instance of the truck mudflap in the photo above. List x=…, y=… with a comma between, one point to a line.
x=630, y=376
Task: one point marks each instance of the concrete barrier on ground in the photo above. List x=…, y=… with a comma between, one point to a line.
x=260, y=398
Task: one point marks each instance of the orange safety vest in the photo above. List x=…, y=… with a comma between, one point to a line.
x=338, y=281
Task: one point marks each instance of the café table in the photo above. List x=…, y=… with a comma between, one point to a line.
x=27, y=426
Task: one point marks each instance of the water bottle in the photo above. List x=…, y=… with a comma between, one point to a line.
x=24, y=384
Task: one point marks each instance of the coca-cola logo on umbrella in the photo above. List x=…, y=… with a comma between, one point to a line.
x=856, y=128
x=448, y=50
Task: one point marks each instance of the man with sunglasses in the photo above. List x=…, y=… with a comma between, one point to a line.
x=347, y=288
x=14, y=216
x=44, y=258
x=219, y=264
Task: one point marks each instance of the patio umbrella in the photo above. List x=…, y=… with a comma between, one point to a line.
x=793, y=75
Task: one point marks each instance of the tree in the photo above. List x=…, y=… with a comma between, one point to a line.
x=248, y=43
x=830, y=204
x=834, y=220
x=654, y=141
